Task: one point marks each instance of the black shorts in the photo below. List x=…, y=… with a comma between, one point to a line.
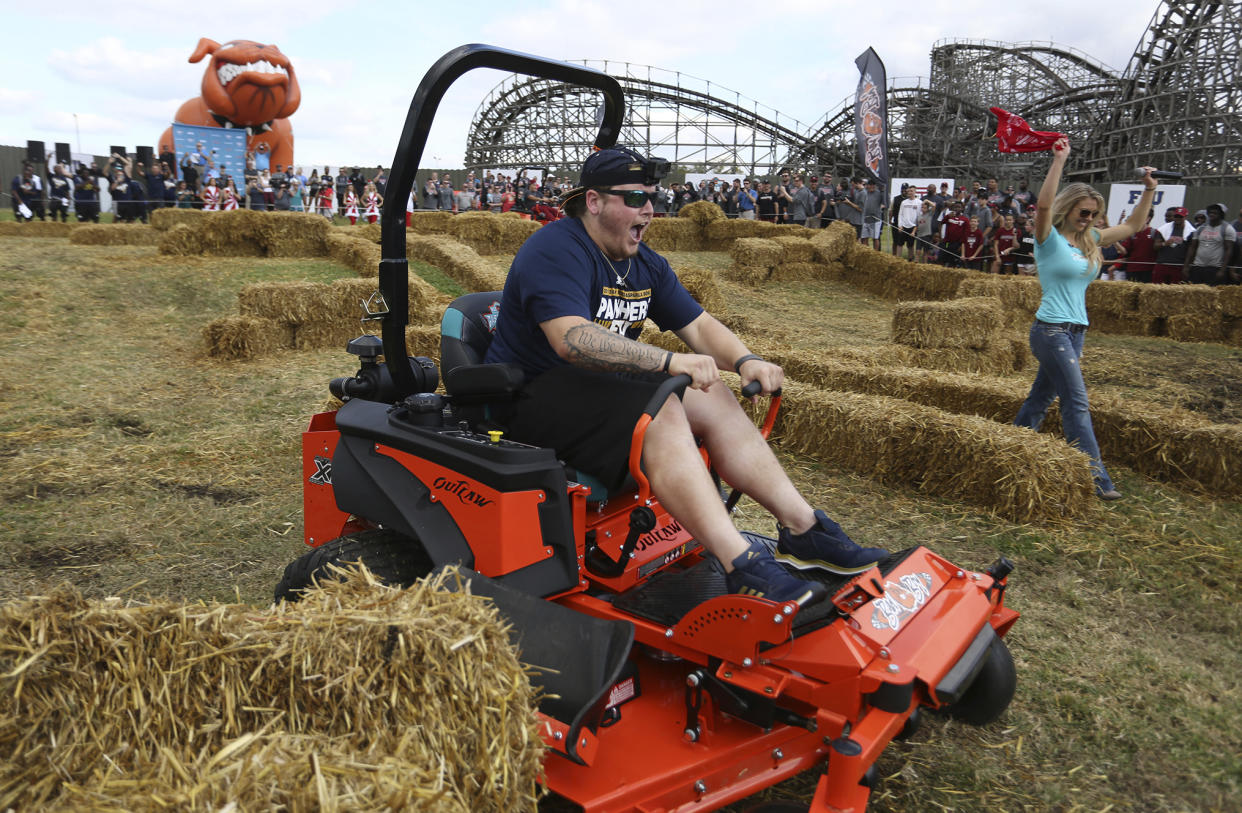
x=587, y=417
x=903, y=237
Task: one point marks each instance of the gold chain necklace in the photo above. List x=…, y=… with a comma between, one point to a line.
x=621, y=278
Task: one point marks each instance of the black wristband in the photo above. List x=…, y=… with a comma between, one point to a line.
x=667, y=361
x=737, y=365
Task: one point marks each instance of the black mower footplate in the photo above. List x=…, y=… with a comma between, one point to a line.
x=669, y=595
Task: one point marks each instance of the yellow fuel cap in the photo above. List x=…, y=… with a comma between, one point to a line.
x=494, y=434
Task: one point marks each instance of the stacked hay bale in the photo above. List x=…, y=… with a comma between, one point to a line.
x=489, y=234
x=460, y=262
x=358, y=697
x=1230, y=298
x=833, y=243
x=1020, y=475
x=37, y=228
x=675, y=234
x=308, y=315
x=1189, y=312
x=430, y=222
x=959, y=334
x=1112, y=307
x=166, y=219
x=115, y=235
x=703, y=286
x=754, y=258
x=893, y=278
x=719, y=235
x=244, y=233
x=1019, y=296
x=354, y=252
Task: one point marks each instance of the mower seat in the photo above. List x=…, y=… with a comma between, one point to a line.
x=484, y=390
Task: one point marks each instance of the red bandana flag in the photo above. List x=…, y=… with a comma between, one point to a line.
x=1013, y=134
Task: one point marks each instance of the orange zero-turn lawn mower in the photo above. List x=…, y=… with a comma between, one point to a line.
x=662, y=691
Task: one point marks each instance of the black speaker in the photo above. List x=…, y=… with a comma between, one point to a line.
x=35, y=153
x=62, y=153
x=121, y=151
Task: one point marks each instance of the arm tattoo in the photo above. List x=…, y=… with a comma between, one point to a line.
x=596, y=348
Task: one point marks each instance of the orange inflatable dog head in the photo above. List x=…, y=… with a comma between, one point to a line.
x=248, y=83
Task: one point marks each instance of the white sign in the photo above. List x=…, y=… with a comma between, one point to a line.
x=1123, y=197
x=920, y=183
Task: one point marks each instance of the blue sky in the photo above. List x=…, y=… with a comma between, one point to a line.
x=95, y=74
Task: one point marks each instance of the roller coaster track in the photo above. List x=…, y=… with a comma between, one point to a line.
x=1176, y=105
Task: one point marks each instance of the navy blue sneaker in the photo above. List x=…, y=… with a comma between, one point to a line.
x=826, y=547
x=756, y=573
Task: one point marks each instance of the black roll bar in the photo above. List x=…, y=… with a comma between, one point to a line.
x=394, y=266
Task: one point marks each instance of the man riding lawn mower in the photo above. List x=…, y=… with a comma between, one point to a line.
x=573, y=473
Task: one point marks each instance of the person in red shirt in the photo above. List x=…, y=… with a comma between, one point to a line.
x=953, y=234
x=1141, y=253
x=972, y=246
x=1004, y=239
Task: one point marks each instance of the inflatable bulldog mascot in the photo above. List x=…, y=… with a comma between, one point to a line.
x=247, y=85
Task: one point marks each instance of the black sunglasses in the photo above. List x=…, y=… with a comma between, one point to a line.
x=633, y=198
x=1088, y=212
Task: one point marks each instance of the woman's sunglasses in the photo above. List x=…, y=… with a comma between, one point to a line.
x=1088, y=212
x=633, y=198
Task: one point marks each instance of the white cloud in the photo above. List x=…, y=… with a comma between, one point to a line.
x=109, y=61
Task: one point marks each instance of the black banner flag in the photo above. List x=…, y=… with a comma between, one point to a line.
x=871, y=115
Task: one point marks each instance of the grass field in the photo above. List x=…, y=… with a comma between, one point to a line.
x=136, y=465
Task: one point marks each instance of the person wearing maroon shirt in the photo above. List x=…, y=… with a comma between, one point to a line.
x=1141, y=254
x=972, y=245
x=1004, y=240
x=956, y=227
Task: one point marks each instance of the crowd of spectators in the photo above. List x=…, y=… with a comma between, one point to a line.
x=981, y=227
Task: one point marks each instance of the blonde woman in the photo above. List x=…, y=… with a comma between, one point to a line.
x=1068, y=258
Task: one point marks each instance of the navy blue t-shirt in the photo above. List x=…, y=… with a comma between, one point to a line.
x=559, y=271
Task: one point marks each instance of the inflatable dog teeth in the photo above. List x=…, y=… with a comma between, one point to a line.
x=246, y=85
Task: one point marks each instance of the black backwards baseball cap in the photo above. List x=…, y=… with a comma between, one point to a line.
x=618, y=165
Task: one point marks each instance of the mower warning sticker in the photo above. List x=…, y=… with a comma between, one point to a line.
x=901, y=600
x=323, y=471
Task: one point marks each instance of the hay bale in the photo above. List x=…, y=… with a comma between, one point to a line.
x=1115, y=298
x=114, y=235
x=702, y=285
x=1196, y=327
x=356, y=253
x=293, y=303
x=245, y=233
x=37, y=228
x=1170, y=300
x=832, y=243
x=797, y=249
x=359, y=697
x=331, y=333
x=1015, y=472
x=757, y=252
x=1230, y=298
x=798, y=272
x=430, y=222
x=165, y=219
x=423, y=340
x=1132, y=324
x=718, y=235
x=674, y=234
x=244, y=337
x=1233, y=331
x=488, y=234
x=751, y=275
x=701, y=212
x=971, y=323
x=460, y=262
x=182, y=240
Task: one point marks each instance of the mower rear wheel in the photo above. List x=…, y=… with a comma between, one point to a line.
x=393, y=558
x=989, y=696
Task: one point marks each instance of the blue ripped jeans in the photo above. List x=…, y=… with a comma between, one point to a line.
x=1059, y=349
